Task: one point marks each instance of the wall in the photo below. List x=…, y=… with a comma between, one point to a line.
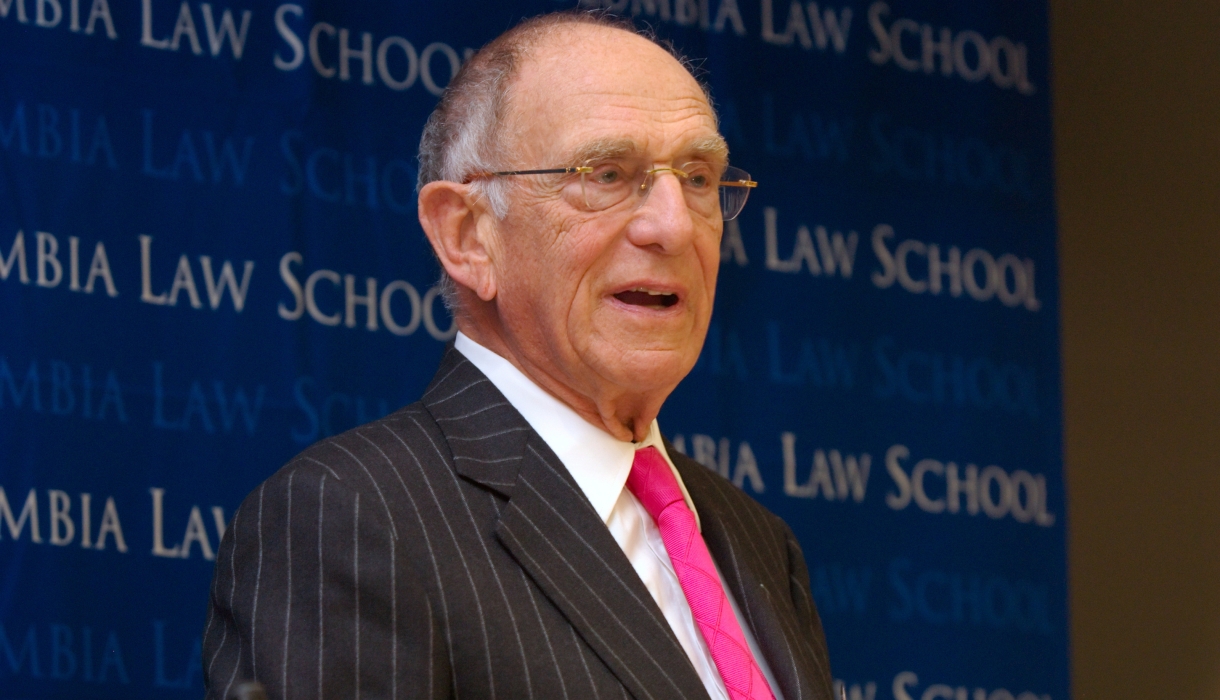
x=1138, y=150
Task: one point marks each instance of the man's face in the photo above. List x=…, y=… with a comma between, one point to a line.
x=616, y=300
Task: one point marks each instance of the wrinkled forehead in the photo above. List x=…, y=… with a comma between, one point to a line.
x=595, y=85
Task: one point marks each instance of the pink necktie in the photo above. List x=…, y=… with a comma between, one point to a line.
x=653, y=484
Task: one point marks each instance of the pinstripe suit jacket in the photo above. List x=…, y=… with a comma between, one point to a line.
x=445, y=551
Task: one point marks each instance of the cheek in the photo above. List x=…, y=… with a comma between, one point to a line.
x=709, y=262
x=585, y=268
x=550, y=263
x=530, y=242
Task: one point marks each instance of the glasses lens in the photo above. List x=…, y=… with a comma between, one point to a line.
x=604, y=184
x=699, y=180
x=607, y=183
x=733, y=198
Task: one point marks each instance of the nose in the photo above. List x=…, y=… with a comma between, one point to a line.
x=663, y=220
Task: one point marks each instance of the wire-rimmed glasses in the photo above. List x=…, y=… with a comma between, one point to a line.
x=604, y=184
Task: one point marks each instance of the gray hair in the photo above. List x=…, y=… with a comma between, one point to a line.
x=462, y=136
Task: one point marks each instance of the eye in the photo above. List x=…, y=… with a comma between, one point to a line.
x=700, y=176
x=607, y=174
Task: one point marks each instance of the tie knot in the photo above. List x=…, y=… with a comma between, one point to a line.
x=653, y=482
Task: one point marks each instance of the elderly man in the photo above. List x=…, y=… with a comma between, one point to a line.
x=524, y=530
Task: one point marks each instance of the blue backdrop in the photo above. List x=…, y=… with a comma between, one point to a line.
x=210, y=258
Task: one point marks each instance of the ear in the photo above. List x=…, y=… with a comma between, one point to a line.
x=460, y=230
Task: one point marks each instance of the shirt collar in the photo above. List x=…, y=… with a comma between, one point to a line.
x=598, y=461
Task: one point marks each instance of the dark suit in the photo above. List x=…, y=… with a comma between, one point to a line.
x=445, y=551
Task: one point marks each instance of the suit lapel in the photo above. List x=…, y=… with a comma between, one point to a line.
x=485, y=434
x=556, y=536
x=759, y=596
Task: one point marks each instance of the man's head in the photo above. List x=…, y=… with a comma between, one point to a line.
x=603, y=303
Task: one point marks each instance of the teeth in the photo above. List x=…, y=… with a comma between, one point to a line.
x=649, y=292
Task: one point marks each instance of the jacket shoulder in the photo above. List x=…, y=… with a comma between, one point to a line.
x=378, y=464
x=363, y=457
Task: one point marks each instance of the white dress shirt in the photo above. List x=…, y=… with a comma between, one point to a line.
x=600, y=463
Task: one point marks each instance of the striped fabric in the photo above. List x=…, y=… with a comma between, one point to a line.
x=444, y=551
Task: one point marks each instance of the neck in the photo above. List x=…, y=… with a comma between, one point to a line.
x=625, y=415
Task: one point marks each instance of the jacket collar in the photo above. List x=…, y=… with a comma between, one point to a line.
x=486, y=435
x=558, y=538
x=554, y=533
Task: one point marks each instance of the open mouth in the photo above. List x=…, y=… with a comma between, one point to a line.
x=647, y=298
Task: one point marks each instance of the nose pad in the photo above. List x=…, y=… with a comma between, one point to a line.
x=650, y=180
x=669, y=223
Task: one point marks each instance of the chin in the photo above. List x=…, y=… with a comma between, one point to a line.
x=647, y=370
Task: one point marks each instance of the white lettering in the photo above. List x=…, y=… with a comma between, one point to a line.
x=185, y=26
x=159, y=549
x=967, y=54
x=7, y=5
x=992, y=490
x=425, y=61
x=184, y=279
x=838, y=252
x=63, y=530
x=383, y=64
x=111, y=526
x=834, y=475
x=311, y=304
x=16, y=256
x=196, y=532
x=290, y=37
x=365, y=54
x=893, y=465
x=29, y=511
x=294, y=286
x=40, y=13
x=216, y=286
x=99, y=10
x=48, y=255
x=885, y=279
x=906, y=683
x=314, y=56
x=147, y=33
x=368, y=299
x=146, y=294
x=216, y=35
x=429, y=301
x=387, y=312
x=980, y=274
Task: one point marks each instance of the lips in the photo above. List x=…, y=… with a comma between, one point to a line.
x=649, y=298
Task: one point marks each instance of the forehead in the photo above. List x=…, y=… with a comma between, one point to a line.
x=591, y=83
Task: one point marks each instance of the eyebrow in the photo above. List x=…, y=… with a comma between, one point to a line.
x=710, y=147
x=603, y=149
x=707, y=147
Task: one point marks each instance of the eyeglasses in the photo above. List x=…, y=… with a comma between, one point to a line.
x=604, y=184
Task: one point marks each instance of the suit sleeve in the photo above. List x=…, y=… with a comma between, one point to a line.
x=802, y=600
x=313, y=597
